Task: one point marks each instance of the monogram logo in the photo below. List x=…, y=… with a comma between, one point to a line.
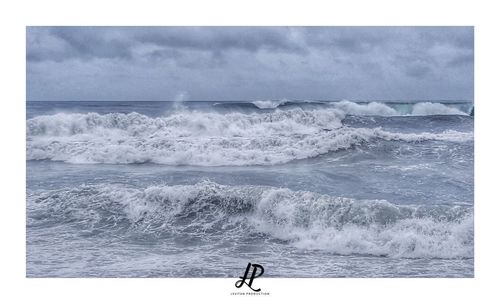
x=254, y=275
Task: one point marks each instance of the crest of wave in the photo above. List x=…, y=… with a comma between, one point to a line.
x=431, y=108
x=196, y=138
x=304, y=219
x=381, y=109
x=269, y=104
x=374, y=227
x=372, y=108
x=182, y=138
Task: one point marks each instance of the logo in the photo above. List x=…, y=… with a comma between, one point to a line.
x=254, y=275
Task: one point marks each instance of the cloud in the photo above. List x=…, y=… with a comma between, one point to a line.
x=214, y=39
x=59, y=43
x=461, y=60
x=250, y=62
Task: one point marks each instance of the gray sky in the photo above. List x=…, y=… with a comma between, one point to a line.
x=249, y=63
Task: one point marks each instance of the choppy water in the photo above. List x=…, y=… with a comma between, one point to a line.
x=199, y=189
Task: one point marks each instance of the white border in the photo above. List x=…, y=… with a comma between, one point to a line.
x=17, y=14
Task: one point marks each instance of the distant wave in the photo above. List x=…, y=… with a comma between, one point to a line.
x=430, y=108
x=372, y=108
x=398, y=109
x=268, y=104
x=305, y=219
x=207, y=139
x=364, y=108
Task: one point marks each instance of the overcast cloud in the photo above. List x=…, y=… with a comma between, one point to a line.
x=248, y=63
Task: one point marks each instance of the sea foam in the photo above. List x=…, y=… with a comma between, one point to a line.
x=206, y=139
x=396, y=109
x=373, y=108
x=303, y=219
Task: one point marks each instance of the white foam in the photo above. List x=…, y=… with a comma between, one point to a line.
x=305, y=219
x=346, y=226
x=207, y=139
x=372, y=108
x=411, y=238
x=383, y=109
x=431, y=108
x=268, y=104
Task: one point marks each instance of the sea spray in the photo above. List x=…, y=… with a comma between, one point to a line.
x=206, y=139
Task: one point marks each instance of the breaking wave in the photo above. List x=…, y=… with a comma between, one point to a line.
x=401, y=109
x=372, y=108
x=207, y=139
x=431, y=108
x=303, y=219
x=365, y=108
x=268, y=104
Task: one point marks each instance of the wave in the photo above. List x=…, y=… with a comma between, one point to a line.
x=268, y=104
x=364, y=108
x=207, y=139
x=372, y=108
x=430, y=108
x=303, y=219
x=273, y=104
x=401, y=109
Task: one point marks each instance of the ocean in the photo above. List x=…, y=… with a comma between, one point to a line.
x=201, y=188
